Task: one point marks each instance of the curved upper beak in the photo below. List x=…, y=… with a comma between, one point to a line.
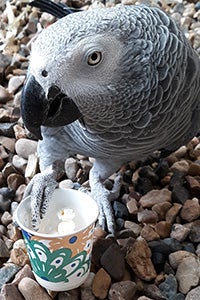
x=54, y=110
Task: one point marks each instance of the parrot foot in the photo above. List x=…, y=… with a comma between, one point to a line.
x=40, y=189
x=103, y=198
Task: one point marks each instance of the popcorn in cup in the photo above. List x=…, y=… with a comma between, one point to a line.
x=60, y=251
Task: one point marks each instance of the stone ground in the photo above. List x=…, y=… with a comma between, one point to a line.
x=155, y=254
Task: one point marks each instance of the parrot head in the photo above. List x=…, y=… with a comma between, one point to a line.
x=72, y=68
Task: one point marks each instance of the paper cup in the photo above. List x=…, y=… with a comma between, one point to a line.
x=60, y=262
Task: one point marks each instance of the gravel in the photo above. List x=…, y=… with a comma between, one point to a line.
x=155, y=253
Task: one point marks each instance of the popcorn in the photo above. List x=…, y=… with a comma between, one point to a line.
x=67, y=225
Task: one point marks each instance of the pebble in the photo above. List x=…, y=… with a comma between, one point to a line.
x=15, y=180
x=181, y=166
x=7, y=272
x=19, y=163
x=71, y=168
x=193, y=294
x=31, y=290
x=99, y=247
x=25, y=147
x=177, y=257
x=8, y=143
x=194, y=185
x=132, y=206
x=101, y=284
x=4, y=251
x=154, y=197
x=66, y=184
x=139, y=259
x=6, y=218
x=134, y=227
x=147, y=216
x=172, y=213
x=161, y=209
x=190, y=210
x=188, y=274
x=120, y=210
x=4, y=204
x=124, y=290
x=194, y=235
x=194, y=169
x=112, y=260
x=19, y=257
x=9, y=291
x=26, y=271
x=149, y=234
x=179, y=232
x=163, y=229
x=169, y=287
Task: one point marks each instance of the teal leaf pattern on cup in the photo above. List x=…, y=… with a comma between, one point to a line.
x=58, y=265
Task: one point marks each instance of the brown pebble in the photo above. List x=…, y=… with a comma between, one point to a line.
x=99, y=247
x=149, y=234
x=112, y=260
x=19, y=257
x=139, y=259
x=194, y=169
x=181, y=166
x=31, y=290
x=14, y=181
x=179, y=232
x=6, y=218
x=13, y=232
x=161, y=209
x=172, y=213
x=24, y=272
x=4, y=251
x=194, y=184
x=154, y=197
x=9, y=291
x=163, y=228
x=132, y=206
x=134, y=227
x=147, y=216
x=190, y=210
x=101, y=284
x=122, y=290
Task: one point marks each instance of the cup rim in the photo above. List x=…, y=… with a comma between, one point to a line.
x=46, y=235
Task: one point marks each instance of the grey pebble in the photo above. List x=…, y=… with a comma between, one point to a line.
x=7, y=272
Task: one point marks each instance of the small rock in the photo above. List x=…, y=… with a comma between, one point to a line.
x=180, y=194
x=8, y=143
x=4, y=251
x=71, y=168
x=8, y=170
x=147, y=216
x=3, y=152
x=132, y=206
x=25, y=147
x=152, y=291
x=139, y=259
x=13, y=232
x=161, y=209
x=24, y=272
x=193, y=294
x=182, y=166
x=69, y=295
x=4, y=203
x=163, y=228
x=19, y=257
x=154, y=197
x=120, y=210
x=66, y=184
x=4, y=95
x=194, y=185
x=10, y=292
x=7, y=272
x=6, y=129
x=144, y=298
x=177, y=257
x=172, y=213
x=194, y=235
x=179, y=232
x=101, y=284
x=181, y=152
x=190, y=210
x=14, y=181
x=136, y=228
x=194, y=169
x=20, y=192
x=6, y=218
x=19, y=163
x=149, y=234
x=169, y=287
x=32, y=166
x=15, y=82
x=188, y=274
x=112, y=260
x=19, y=132
x=31, y=290
x=122, y=290
x=99, y=247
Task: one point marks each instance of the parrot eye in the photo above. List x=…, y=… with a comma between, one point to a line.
x=44, y=73
x=94, y=58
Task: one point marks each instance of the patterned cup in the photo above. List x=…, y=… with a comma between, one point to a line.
x=60, y=262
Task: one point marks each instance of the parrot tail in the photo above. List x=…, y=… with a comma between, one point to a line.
x=58, y=10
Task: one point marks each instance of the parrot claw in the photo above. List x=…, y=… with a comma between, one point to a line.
x=40, y=189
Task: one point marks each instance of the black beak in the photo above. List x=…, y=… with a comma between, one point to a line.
x=54, y=110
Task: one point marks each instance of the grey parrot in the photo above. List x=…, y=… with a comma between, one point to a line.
x=114, y=84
